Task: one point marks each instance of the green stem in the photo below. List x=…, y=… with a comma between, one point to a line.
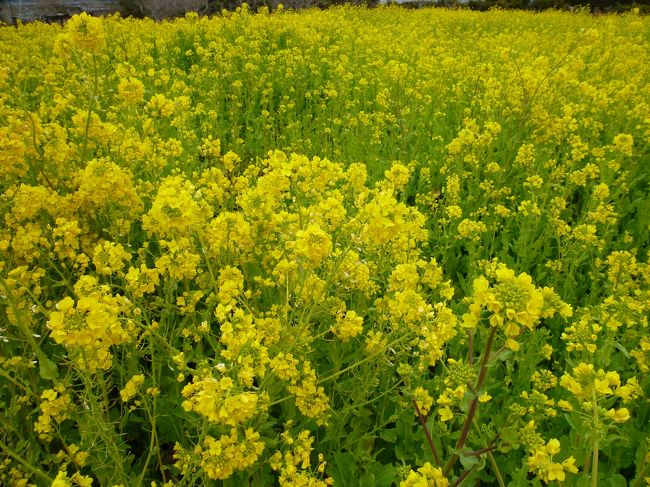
x=377, y=397
x=152, y=438
x=587, y=462
x=369, y=357
x=496, y=470
x=152, y=420
x=640, y=477
x=22, y=325
x=594, y=468
x=90, y=110
x=347, y=369
x=596, y=444
x=40, y=474
x=16, y=383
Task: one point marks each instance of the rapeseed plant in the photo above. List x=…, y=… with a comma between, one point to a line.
x=325, y=247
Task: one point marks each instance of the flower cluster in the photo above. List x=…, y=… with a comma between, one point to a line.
x=295, y=461
x=514, y=303
x=589, y=386
x=90, y=326
x=426, y=476
x=55, y=408
x=219, y=401
x=542, y=465
x=220, y=458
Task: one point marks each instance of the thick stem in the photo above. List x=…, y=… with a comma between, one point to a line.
x=427, y=433
x=462, y=477
x=477, y=453
x=473, y=407
x=479, y=384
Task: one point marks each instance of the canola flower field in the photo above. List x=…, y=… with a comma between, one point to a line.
x=359, y=247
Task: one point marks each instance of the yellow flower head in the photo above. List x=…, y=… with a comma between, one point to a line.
x=85, y=32
x=314, y=244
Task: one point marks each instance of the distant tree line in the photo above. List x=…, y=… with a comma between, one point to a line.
x=159, y=9
x=169, y=8
x=595, y=6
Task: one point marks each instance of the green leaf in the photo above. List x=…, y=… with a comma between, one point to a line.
x=405, y=425
x=367, y=480
x=570, y=421
x=622, y=349
x=46, y=368
x=385, y=475
x=616, y=480
x=125, y=418
x=520, y=479
x=344, y=469
x=389, y=435
x=469, y=461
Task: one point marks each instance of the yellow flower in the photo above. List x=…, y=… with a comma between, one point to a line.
x=295, y=462
x=553, y=447
x=423, y=400
x=426, y=476
x=348, y=325
x=219, y=401
x=131, y=91
x=61, y=480
x=485, y=397
x=555, y=472
x=445, y=413
x=585, y=381
x=222, y=457
x=620, y=415
x=54, y=408
x=398, y=175
x=90, y=328
x=569, y=465
x=542, y=465
x=602, y=386
x=110, y=257
x=131, y=387
x=631, y=390
x=512, y=344
x=174, y=212
x=142, y=281
x=85, y=32
x=471, y=230
x=314, y=244
x=623, y=143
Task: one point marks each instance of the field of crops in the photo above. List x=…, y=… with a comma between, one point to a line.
x=360, y=247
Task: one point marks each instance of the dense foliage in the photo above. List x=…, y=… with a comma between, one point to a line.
x=362, y=247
